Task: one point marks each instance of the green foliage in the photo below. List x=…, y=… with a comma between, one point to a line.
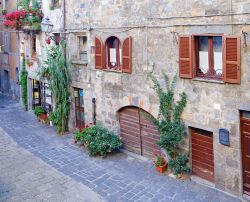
x=24, y=76
x=23, y=3
x=169, y=123
x=59, y=79
x=160, y=161
x=98, y=140
x=179, y=164
x=39, y=111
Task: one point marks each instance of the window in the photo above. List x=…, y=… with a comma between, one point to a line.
x=114, y=55
x=204, y=57
x=83, y=48
x=208, y=57
x=6, y=42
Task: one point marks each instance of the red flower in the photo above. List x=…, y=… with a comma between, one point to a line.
x=87, y=126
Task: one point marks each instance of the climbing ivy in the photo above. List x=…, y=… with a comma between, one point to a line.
x=24, y=76
x=170, y=125
x=57, y=72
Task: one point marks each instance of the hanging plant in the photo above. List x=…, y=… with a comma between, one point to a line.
x=170, y=125
x=59, y=78
x=24, y=77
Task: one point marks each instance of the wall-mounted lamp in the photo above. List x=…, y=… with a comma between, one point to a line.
x=47, y=25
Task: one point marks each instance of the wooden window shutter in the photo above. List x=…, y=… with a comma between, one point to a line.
x=231, y=59
x=127, y=55
x=186, y=57
x=99, y=54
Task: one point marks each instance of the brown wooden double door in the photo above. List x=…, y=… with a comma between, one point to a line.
x=245, y=142
x=137, y=133
x=202, y=154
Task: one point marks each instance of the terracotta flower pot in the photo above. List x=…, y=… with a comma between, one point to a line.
x=162, y=169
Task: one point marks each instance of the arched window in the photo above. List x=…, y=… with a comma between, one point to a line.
x=113, y=53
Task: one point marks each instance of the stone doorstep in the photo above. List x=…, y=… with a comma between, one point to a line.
x=211, y=185
x=136, y=156
x=246, y=198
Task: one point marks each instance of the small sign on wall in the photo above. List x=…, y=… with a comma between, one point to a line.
x=224, y=137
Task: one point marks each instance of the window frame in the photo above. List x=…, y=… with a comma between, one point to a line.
x=209, y=76
x=118, y=66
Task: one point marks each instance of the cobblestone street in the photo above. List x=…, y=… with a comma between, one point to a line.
x=39, y=165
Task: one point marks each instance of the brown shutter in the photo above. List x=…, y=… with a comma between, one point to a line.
x=127, y=55
x=99, y=54
x=231, y=59
x=186, y=57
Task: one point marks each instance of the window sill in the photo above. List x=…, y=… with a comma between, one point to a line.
x=79, y=62
x=110, y=70
x=208, y=80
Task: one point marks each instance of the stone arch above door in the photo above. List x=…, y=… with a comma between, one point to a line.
x=138, y=134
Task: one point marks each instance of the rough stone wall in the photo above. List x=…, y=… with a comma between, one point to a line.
x=152, y=25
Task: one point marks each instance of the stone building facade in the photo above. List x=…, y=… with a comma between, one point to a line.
x=112, y=46
x=9, y=54
x=155, y=28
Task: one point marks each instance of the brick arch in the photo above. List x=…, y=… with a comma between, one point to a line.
x=138, y=134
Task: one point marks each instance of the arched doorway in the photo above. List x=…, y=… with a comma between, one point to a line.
x=138, y=134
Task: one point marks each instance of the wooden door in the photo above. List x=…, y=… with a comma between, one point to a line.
x=202, y=154
x=137, y=133
x=149, y=137
x=130, y=129
x=245, y=142
x=79, y=108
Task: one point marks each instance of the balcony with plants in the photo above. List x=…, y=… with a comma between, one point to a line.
x=28, y=18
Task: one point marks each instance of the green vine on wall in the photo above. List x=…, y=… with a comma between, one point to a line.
x=170, y=125
x=57, y=72
x=24, y=77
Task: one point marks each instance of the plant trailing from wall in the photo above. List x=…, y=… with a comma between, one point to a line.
x=24, y=76
x=26, y=18
x=58, y=72
x=170, y=125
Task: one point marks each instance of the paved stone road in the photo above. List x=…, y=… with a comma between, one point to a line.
x=116, y=178
x=25, y=177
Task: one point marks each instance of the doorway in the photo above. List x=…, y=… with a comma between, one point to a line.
x=6, y=81
x=36, y=94
x=79, y=108
x=245, y=146
x=202, y=154
x=138, y=134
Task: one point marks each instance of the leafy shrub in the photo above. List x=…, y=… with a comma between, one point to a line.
x=179, y=164
x=39, y=111
x=98, y=140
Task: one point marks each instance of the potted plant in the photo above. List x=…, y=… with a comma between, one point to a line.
x=38, y=112
x=160, y=164
x=44, y=119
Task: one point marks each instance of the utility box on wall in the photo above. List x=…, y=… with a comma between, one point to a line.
x=224, y=137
